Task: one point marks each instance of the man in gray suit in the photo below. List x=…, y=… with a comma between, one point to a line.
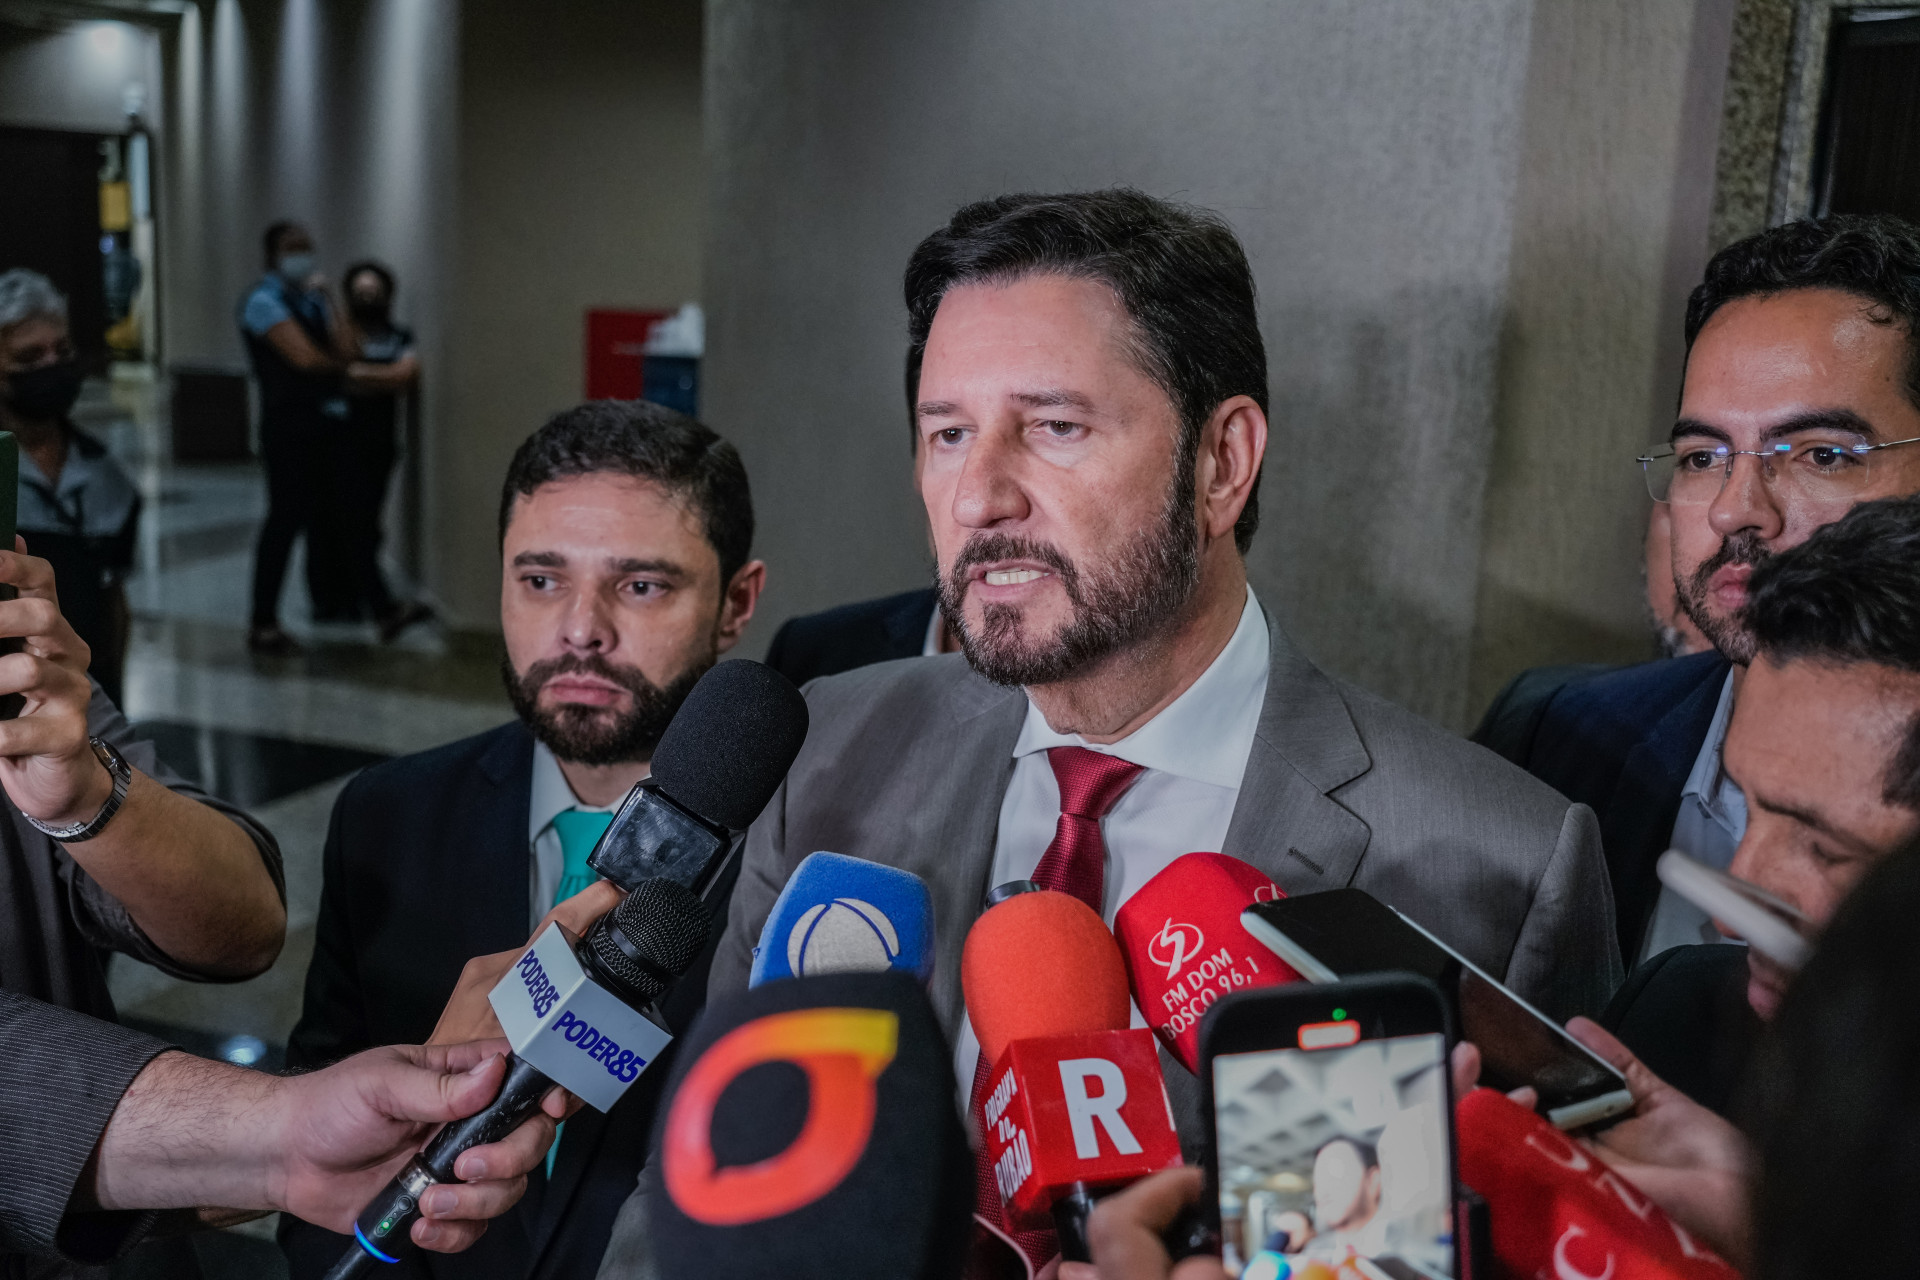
x=1090, y=427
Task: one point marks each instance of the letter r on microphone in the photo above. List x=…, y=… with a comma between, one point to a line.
x=1088, y=1108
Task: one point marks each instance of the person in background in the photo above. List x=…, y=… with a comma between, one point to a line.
x=78, y=510
x=626, y=531
x=343, y=563
x=1825, y=744
x=1677, y=633
x=296, y=344
x=1800, y=399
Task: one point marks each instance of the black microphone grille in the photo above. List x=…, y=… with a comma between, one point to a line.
x=663, y=923
x=731, y=743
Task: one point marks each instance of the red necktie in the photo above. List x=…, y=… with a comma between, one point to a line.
x=1075, y=863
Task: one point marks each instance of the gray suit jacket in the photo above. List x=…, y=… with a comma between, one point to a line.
x=907, y=762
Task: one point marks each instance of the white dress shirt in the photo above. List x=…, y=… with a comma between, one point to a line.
x=549, y=795
x=1710, y=825
x=1194, y=753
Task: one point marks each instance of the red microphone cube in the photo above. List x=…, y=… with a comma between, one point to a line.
x=1557, y=1210
x=1185, y=946
x=1088, y=1108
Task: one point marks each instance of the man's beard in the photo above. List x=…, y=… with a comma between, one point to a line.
x=1729, y=635
x=599, y=735
x=1143, y=591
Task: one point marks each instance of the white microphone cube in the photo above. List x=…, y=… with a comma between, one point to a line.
x=579, y=1035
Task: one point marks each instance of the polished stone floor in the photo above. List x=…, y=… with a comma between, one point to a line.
x=280, y=737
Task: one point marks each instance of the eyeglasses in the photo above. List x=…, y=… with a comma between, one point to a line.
x=1816, y=470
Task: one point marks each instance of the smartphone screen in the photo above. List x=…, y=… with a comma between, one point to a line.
x=1331, y=1156
x=1344, y=933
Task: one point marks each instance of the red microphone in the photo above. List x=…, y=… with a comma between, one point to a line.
x=1185, y=947
x=1556, y=1210
x=1075, y=1102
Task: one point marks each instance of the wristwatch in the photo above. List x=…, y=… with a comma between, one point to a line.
x=122, y=773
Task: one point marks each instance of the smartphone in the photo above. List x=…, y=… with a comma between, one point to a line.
x=1330, y=1130
x=11, y=704
x=1344, y=933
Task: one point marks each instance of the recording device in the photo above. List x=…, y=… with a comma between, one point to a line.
x=1075, y=1103
x=575, y=1014
x=846, y=915
x=1557, y=1210
x=810, y=1134
x=1345, y=933
x=1330, y=1130
x=11, y=704
x=1185, y=946
x=720, y=760
x=1776, y=929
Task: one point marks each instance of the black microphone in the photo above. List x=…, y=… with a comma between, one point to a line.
x=718, y=764
x=577, y=1016
x=811, y=1134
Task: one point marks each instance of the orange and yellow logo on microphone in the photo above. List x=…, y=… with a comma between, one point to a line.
x=842, y=1051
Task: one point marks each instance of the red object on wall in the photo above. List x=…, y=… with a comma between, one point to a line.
x=615, y=341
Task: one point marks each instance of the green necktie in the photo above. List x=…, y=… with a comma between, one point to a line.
x=579, y=830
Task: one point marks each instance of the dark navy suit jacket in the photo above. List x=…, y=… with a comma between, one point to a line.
x=426, y=867
x=854, y=635
x=1622, y=743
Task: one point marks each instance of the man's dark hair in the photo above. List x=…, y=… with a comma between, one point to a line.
x=275, y=232
x=1179, y=272
x=380, y=273
x=1875, y=257
x=649, y=442
x=1849, y=594
x=1836, y=1118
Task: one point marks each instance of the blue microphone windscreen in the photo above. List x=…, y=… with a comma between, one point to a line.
x=846, y=915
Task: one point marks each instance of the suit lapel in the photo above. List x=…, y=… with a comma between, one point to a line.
x=1637, y=824
x=1285, y=821
x=971, y=769
x=492, y=852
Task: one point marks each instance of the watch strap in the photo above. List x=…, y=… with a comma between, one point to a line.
x=116, y=765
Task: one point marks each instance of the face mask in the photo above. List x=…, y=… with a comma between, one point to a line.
x=372, y=315
x=46, y=393
x=296, y=267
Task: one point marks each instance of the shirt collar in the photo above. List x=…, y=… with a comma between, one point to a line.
x=1704, y=783
x=550, y=794
x=1204, y=734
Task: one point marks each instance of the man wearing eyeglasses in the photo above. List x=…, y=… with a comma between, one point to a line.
x=1801, y=400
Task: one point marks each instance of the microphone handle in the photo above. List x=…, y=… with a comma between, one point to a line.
x=385, y=1225
x=1070, y=1214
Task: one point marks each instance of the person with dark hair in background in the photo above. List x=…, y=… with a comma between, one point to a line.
x=296, y=345
x=1801, y=398
x=626, y=532
x=1091, y=429
x=1836, y=1115
x=77, y=509
x=343, y=564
